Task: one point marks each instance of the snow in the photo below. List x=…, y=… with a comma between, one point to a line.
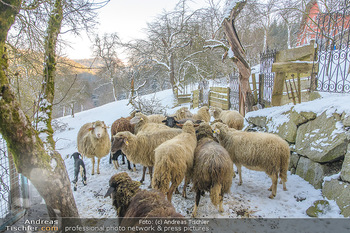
x=248, y=200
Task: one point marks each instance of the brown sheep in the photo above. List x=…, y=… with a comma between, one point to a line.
x=202, y=114
x=120, y=125
x=140, y=148
x=231, y=118
x=93, y=141
x=132, y=202
x=257, y=151
x=174, y=161
x=212, y=169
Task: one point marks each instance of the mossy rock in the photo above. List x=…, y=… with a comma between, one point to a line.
x=319, y=207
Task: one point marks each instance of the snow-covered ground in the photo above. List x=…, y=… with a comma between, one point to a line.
x=249, y=200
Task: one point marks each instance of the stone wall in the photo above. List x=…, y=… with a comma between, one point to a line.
x=319, y=142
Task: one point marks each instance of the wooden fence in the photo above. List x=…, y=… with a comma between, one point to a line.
x=293, y=69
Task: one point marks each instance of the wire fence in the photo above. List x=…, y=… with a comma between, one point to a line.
x=12, y=187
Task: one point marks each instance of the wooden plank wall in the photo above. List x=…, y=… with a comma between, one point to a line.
x=219, y=97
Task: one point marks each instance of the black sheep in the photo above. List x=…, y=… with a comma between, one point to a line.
x=79, y=166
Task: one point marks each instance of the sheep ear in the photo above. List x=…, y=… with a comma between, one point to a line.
x=126, y=141
x=109, y=192
x=164, y=121
x=90, y=129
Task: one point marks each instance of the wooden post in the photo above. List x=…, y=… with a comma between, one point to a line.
x=254, y=88
x=261, y=89
x=299, y=87
x=277, y=92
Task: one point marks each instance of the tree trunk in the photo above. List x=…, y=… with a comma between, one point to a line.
x=47, y=173
x=240, y=59
x=48, y=87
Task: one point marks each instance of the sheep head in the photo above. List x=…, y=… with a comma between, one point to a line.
x=122, y=188
x=98, y=128
x=119, y=140
x=215, y=112
x=203, y=131
x=75, y=155
x=170, y=121
x=139, y=117
x=218, y=128
x=188, y=127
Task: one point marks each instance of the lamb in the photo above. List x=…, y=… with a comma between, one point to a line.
x=142, y=123
x=213, y=168
x=257, y=151
x=131, y=202
x=202, y=114
x=174, y=161
x=140, y=148
x=231, y=118
x=79, y=167
x=120, y=125
x=183, y=113
x=93, y=141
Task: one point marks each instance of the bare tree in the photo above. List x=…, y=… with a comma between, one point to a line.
x=105, y=49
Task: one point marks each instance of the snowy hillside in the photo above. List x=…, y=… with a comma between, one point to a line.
x=249, y=200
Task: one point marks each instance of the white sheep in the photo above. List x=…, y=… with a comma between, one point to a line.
x=257, y=151
x=231, y=118
x=93, y=141
x=202, y=114
x=140, y=148
x=141, y=122
x=174, y=161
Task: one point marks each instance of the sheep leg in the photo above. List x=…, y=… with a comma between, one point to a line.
x=116, y=164
x=198, y=197
x=143, y=175
x=239, y=169
x=221, y=208
x=123, y=159
x=150, y=169
x=170, y=191
x=284, y=186
x=98, y=165
x=83, y=174
x=274, y=178
x=187, y=180
x=129, y=166
x=93, y=165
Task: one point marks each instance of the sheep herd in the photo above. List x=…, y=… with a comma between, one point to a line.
x=181, y=147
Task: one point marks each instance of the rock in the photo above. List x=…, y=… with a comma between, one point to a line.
x=346, y=119
x=340, y=192
x=322, y=139
x=258, y=121
x=283, y=125
x=308, y=115
x=312, y=172
x=345, y=170
x=319, y=207
x=293, y=162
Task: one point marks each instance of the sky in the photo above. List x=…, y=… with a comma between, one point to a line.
x=125, y=17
